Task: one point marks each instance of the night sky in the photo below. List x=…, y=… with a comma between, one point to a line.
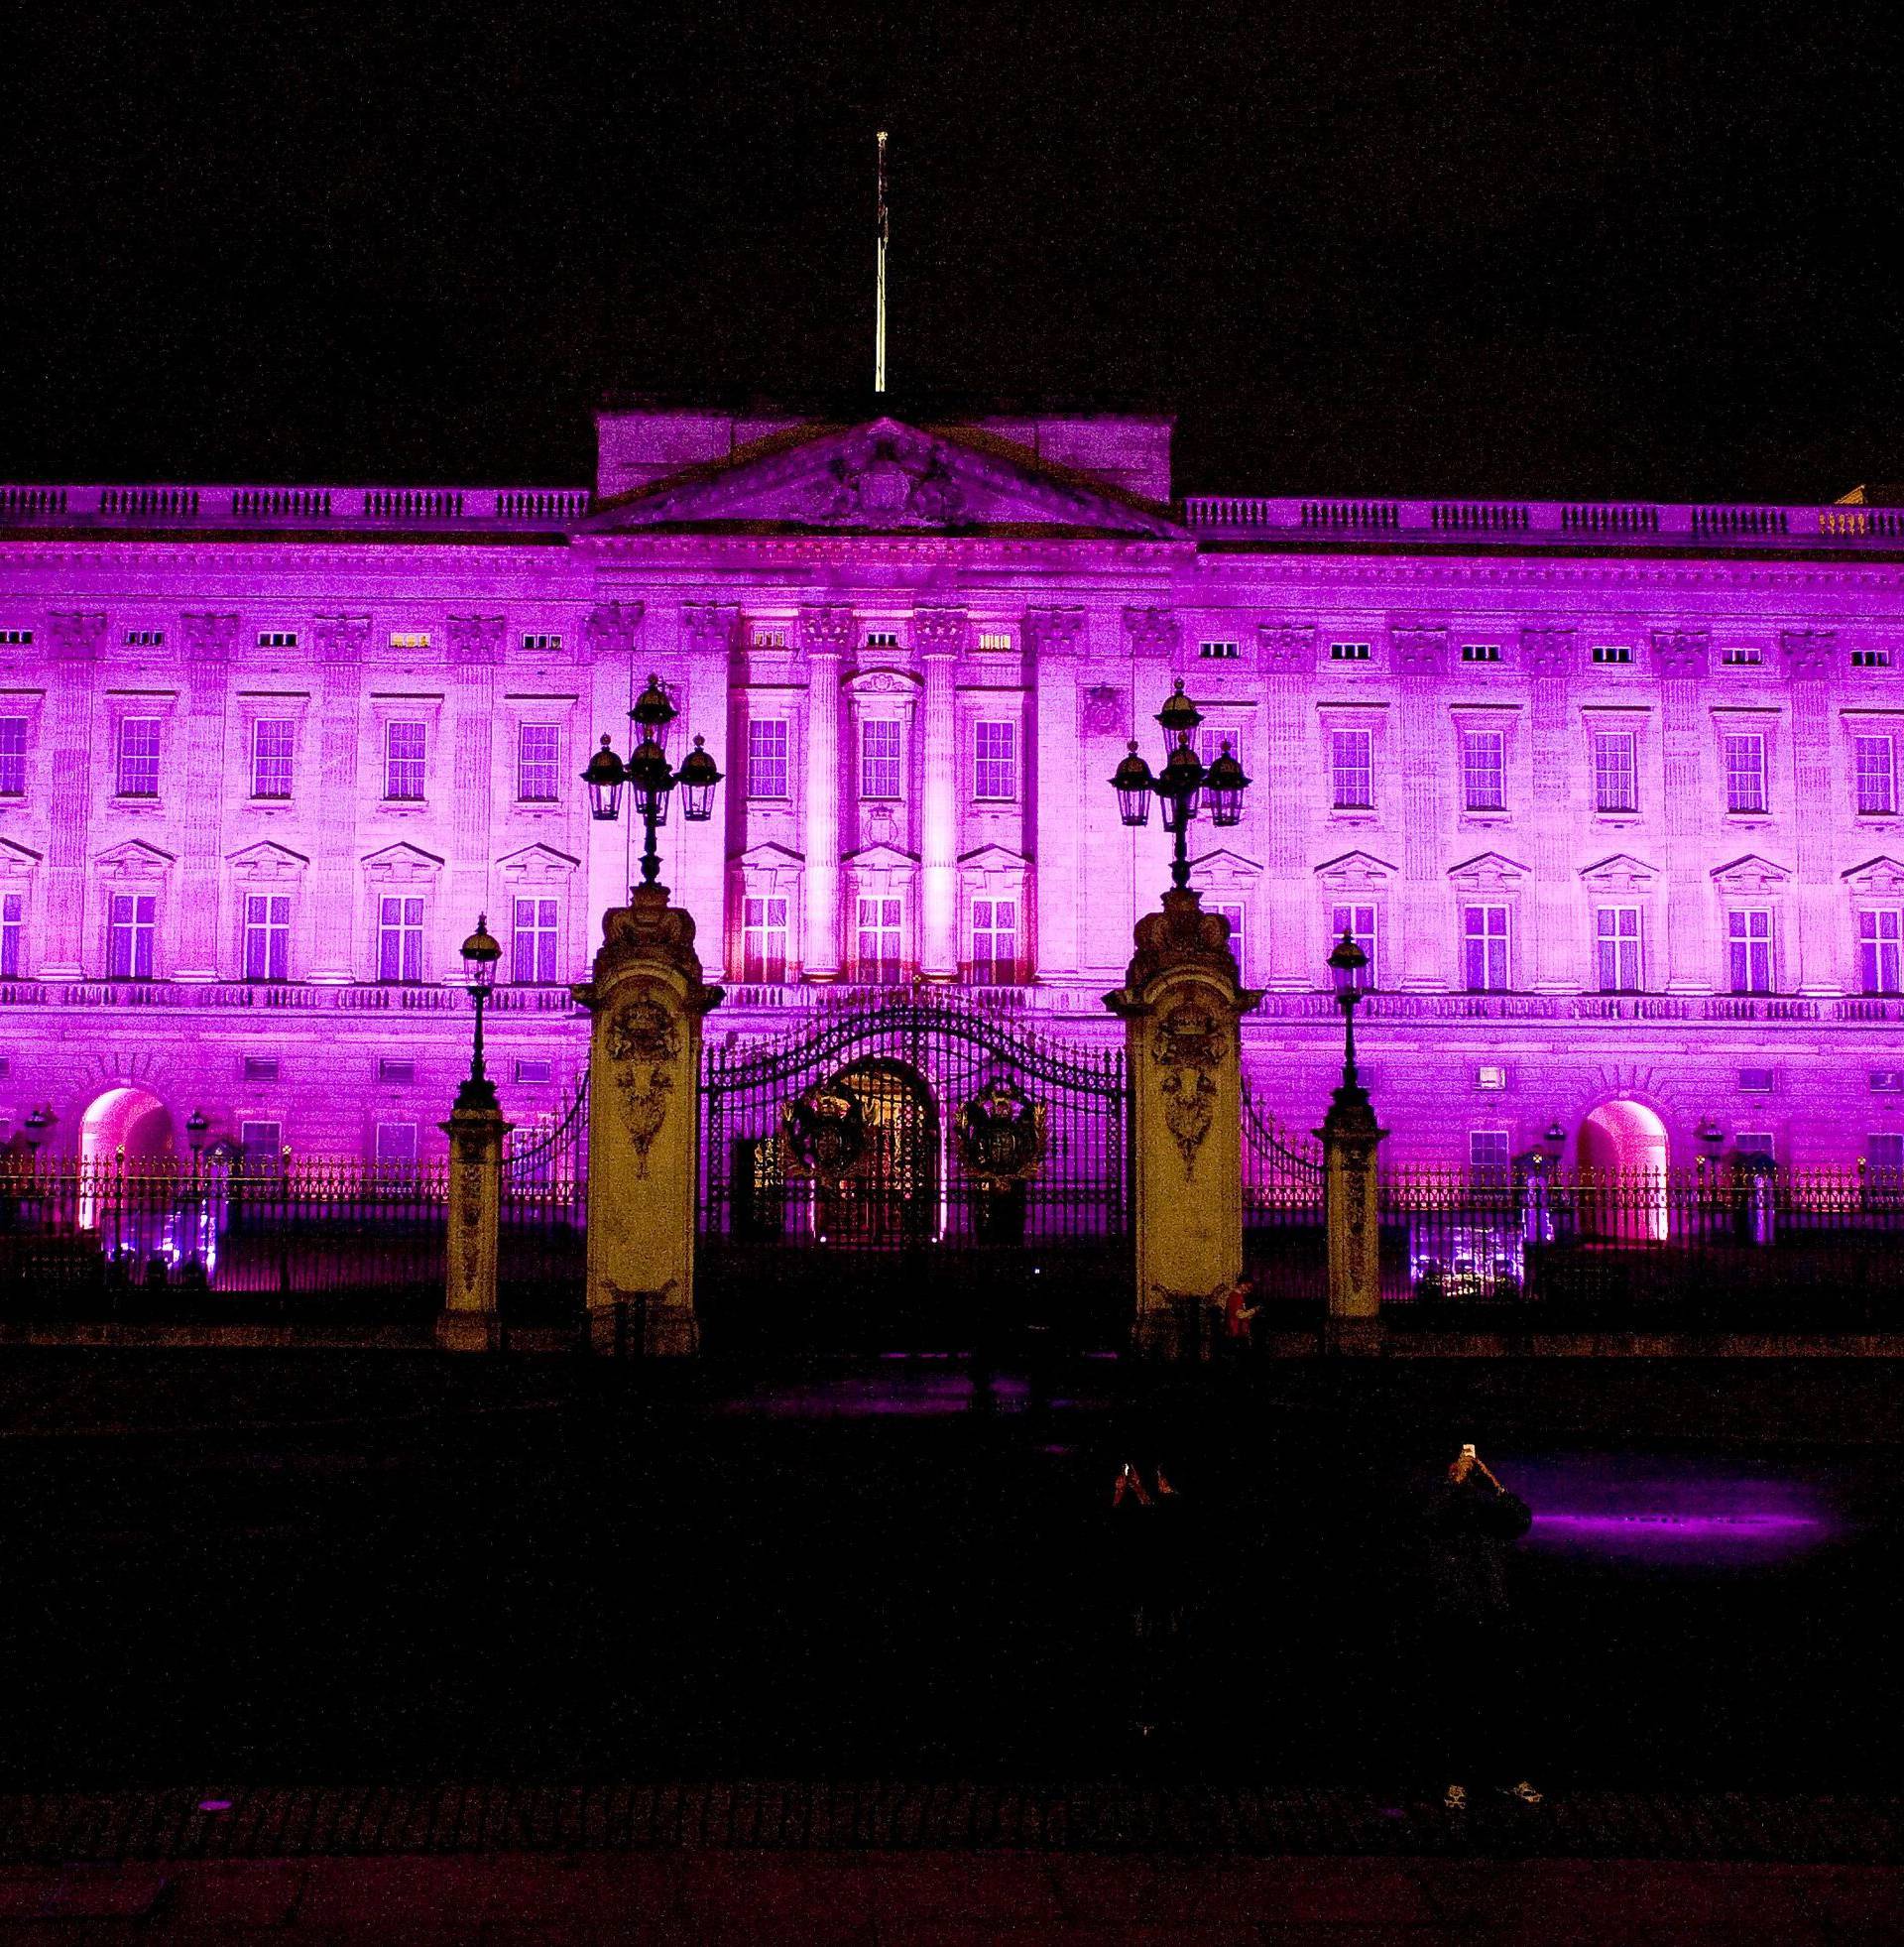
x=1475, y=249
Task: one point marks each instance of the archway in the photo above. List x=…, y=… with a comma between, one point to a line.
x=1622, y=1154
x=130, y=1122
x=890, y=1195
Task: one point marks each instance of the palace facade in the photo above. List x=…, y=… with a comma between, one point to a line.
x=1609, y=794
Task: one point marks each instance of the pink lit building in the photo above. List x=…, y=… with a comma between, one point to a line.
x=1609, y=793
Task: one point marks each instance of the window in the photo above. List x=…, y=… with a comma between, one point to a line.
x=261, y=1146
x=770, y=638
x=397, y=1069
x=1744, y=770
x=541, y=645
x=13, y=930
x=145, y=638
x=261, y=1067
x=1870, y=659
x=400, y=936
x=766, y=758
x=1754, y=1142
x=267, y=935
x=404, y=762
x=1611, y=653
x=537, y=755
x=1755, y=1081
x=879, y=931
x=879, y=757
x=1616, y=780
x=994, y=942
x=1347, y=651
x=764, y=941
x=12, y=756
x=19, y=638
x=1232, y=910
x=1359, y=922
x=1878, y=934
x=1616, y=944
x=131, y=920
x=278, y=639
x=410, y=639
x=533, y=942
x=1353, y=769
x=1491, y=1078
x=271, y=742
x=1885, y=1155
x=1886, y=1081
x=1482, y=761
x=138, y=757
x=1484, y=948
x=881, y=639
x=995, y=760
x=1220, y=652
x=997, y=642
x=395, y=1146
x=1744, y=657
x=1876, y=776
x=1480, y=652
x=534, y=1068
x=1748, y=944
x=1487, y=1163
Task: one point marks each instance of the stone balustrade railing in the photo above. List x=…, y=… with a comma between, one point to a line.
x=302, y=507
x=1086, y=1002
x=1556, y=523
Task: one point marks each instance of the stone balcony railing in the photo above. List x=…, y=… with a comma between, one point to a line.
x=1598, y=525
x=301, y=508
x=1079, y=1001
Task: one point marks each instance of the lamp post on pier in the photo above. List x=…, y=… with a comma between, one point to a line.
x=1350, y=1137
x=650, y=777
x=469, y=1321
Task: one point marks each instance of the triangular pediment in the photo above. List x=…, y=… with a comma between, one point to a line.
x=1882, y=874
x=885, y=477
x=1354, y=868
x=17, y=858
x=265, y=856
x=403, y=857
x=881, y=857
x=1750, y=874
x=1620, y=869
x=1485, y=866
x=134, y=855
x=1222, y=867
x=994, y=858
x=537, y=858
x=762, y=857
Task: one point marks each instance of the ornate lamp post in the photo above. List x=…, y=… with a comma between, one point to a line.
x=196, y=1128
x=481, y=955
x=37, y=1124
x=1183, y=785
x=1350, y=1138
x=650, y=777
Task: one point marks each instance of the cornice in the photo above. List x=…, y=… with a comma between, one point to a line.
x=1599, y=573
x=205, y=552
x=886, y=547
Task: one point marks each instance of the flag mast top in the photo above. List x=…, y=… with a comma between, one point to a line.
x=879, y=300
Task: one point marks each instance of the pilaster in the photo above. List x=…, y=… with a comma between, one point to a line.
x=825, y=635
x=1682, y=657
x=75, y=645
x=939, y=634
x=1421, y=669
x=209, y=641
x=337, y=643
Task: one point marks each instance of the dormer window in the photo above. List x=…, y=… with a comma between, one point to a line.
x=278, y=639
x=1870, y=659
x=881, y=639
x=1612, y=653
x=1349, y=651
x=1220, y=652
x=542, y=645
x=1743, y=656
x=1480, y=652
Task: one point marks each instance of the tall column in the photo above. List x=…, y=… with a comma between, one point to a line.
x=475, y=651
x=335, y=921
x=939, y=634
x=825, y=634
x=1681, y=657
x=77, y=643
x=1053, y=638
x=1421, y=668
x=647, y=998
x=1809, y=657
x=613, y=637
x=1288, y=661
x=209, y=649
x=1547, y=658
x=1180, y=1003
x=698, y=869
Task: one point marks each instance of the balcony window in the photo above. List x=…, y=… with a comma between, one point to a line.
x=881, y=942
x=764, y=941
x=404, y=763
x=1615, y=782
x=1359, y=922
x=262, y=1146
x=538, y=756
x=879, y=757
x=400, y=936
x=1484, y=948
x=533, y=942
x=1745, y=772
x=267, y=935
x=1879, y=935
x=994, y=942
x=1234, y=911
x=138, y=757
x=996, y=761
x=1352, y=768
x=273, y=740
x=131, y=924
x=1876, y=759
x=1482, y=764
x=12, y=934
x=1749, y=950
x=1616, y=948
x=12, y=756
x=766, y=767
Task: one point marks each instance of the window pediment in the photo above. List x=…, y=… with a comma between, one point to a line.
x=16, y=860
x=1352, y=869
x=881, y=858
x=134, y=859
x=992, y=860
x=1620, y=873
x=1224, y=871
x=403, y=862
x=884, y=686
x=1750, y=874
x=267, y=860
x=537, y=864
x=1489, y=871
x=1878, y=877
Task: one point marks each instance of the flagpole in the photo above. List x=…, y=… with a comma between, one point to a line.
x=879, y=306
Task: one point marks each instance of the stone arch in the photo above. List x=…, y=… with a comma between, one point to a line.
x=129, y=1122
x=1624, y=1142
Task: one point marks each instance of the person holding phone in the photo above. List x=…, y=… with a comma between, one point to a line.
x=1473, y=1655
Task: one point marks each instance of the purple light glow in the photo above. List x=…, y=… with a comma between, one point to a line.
x=1670, y=1526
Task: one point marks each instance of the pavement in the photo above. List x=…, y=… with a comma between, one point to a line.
x=943, y=1866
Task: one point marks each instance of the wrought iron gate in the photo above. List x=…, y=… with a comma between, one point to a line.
x=912, y=1172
